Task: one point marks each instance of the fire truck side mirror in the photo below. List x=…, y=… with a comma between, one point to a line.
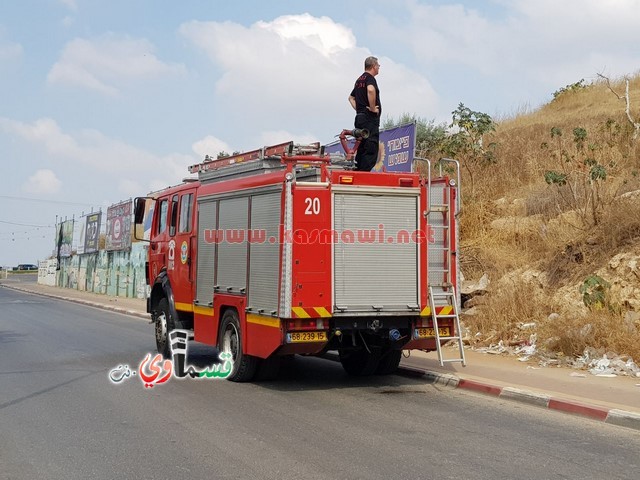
x=138, y=217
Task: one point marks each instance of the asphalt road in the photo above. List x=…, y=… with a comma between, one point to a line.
x=62, y=418
x=21, y=277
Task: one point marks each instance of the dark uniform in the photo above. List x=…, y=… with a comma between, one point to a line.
x=367, y=155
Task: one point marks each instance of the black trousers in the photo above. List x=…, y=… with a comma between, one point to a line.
x=367, y=154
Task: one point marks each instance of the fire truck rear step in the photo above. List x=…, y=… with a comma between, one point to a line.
x=451, y=299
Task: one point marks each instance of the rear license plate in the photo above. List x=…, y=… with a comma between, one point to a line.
x=430, y=332
x=304, y=337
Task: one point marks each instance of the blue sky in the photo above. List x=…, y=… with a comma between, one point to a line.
x=105, y=100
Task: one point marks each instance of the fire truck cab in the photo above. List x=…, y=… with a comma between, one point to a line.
x=285, y=250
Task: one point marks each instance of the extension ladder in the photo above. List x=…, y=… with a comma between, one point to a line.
x=450, y=299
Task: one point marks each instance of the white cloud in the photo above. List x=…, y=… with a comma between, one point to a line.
x=275, y=137
x=95, y=153
x=296, y=72
x=157, y=184
x=449, y=33
x=581, y=37
x=503, y=53
x=130, y=188
x=42, y=182
x=173, y=168
x=211, y=146
x=45, y=132
x=570, y=17
x=546, y=39
x=108, y=63
x=321, y=34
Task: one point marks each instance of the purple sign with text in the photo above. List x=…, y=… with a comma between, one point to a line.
x=396, y=152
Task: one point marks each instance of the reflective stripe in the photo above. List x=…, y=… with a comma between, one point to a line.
x=323, y=312
x=444, y=310
x=300, y=312
x=310, y=312
x=266, y=321
x=184, y=307
x=203, y=310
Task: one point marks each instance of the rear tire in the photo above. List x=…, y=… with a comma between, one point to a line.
x=359, y=363
x=164, y=323
x=389, y=362
x=244, y=366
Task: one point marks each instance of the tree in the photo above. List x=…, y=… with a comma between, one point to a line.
x=224, y=154
x=580, y=176
x=571, y=88
x=627, y=99
x=429, y=136
x=467, y=144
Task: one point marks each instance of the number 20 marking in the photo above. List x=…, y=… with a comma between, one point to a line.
x=313, y=206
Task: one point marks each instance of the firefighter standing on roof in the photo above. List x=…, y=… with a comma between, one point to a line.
x=365, y=100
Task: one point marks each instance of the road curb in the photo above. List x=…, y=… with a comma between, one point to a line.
x=608, y=415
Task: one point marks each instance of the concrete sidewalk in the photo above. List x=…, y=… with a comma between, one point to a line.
x=612, y=400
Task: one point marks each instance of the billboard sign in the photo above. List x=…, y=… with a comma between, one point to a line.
x=119, y=226
x=396, y=149
x=92, y=233
x=65, y=239
x=79, y=243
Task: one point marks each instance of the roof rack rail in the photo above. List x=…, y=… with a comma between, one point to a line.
x=213, y=164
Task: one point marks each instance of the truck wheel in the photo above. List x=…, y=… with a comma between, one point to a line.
x=389, y=362
x=359, y=363
x=164, y=323
x=244, y=366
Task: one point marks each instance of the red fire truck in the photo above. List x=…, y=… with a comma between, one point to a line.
x=286, y=250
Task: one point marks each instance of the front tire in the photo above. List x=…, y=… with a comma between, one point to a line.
x=164, y=323
x=244, y=366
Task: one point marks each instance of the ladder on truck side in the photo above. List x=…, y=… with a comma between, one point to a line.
x=451, y=299
x=444, y=294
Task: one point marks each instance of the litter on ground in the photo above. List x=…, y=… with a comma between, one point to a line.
x=605, y=365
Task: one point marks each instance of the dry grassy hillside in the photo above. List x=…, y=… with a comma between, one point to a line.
x=555, y=224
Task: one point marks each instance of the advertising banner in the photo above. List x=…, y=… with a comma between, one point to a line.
x=80, y=234
x=119, y=226
x=92, y=233
x=65, y=238
x=396, y=149
x=47, y=272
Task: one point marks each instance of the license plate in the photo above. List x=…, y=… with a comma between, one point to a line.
x=304, y=337
x=430, y=332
